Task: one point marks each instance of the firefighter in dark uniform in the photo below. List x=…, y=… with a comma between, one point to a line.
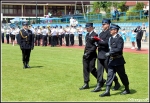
x=89, y=56
x=139, y=35
x=102, y=60
x=116, y=61
x=26, y=42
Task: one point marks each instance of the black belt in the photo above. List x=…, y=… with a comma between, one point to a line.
x=114, y=57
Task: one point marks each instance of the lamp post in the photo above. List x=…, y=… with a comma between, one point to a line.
x=47, y=9
x=36, y=11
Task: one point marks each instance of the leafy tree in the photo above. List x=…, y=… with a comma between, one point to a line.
x=101, y=5
x=122, y=6
x=139, y=6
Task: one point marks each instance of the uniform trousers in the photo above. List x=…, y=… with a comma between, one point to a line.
x=89, y=66
x=7, y=38
x=67, y=39
x=38, y=39
x=53, y=40
x=60, y=40
x=101, y=64
x=138, y=43
x=26, y=55
x=72, y=39
x=44, y=40
x=120, y=69
x=80, y=39
x=2, y=37
x=49, y=38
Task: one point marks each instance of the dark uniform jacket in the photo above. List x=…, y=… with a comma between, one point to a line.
x=26, y=40
x=103, y=47
x=139, y=33
x=116, y=51
x=90, y=47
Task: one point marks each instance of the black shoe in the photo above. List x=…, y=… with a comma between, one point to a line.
x=125, y=92
x=97, y=89
x=24, y=65
x=106, y=93
x=138, y=49
x=85, y=86
x=28, y=66
x=116, y=87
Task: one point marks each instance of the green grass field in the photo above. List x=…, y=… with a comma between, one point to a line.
x=57, y=75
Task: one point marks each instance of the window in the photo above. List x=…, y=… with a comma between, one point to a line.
x=6, y=11
x=41, y=11
x=33, y=11
x=11, y=11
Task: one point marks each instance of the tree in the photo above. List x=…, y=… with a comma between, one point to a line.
x=139, y=6
x=96, y=6
x=122, y=6
x=104, y=5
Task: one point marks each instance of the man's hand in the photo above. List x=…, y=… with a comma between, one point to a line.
x=107, y=54
x=85, y=56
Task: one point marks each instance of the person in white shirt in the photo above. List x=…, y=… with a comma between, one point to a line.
x=71, y=21
x=35, y=36
x=80, y=31
x=67, y=32
x=60, y=34
x=72, y=32
x=38, y=36
x=45, y=34
x=74, y=23
x=14, y=32
x=2, y=34
x=17, y=33
x=53, y=37
x=144, y=37
x=49, y=34
x=7, y=34
x=145, y=9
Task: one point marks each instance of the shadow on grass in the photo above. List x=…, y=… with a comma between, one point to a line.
x=132, y=91
x=36, y=66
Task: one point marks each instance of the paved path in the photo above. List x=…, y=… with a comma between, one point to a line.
x=143, y=51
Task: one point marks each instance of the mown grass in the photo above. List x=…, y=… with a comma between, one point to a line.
x=57, y=74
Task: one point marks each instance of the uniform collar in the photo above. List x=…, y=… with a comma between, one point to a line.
x=114, y=36
x=91, y=32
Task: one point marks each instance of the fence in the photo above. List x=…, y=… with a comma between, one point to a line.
x=124, y=16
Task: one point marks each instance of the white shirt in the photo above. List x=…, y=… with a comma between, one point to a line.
x=91, y=32
x=61, y=31
x=33, y=31
x=17, y=30
x=72, y=31
x=7, y=31
x=80, y=30
x=38, y=31
x=54, y=32
x=67, y=30
x=2, y=30
x=71, y=21
x=14, y=32
x=44, y=32
x=114, y=36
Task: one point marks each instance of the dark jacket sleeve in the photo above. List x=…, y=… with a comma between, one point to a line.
x=91, y=44
x=105, y=38
x=19, y=37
